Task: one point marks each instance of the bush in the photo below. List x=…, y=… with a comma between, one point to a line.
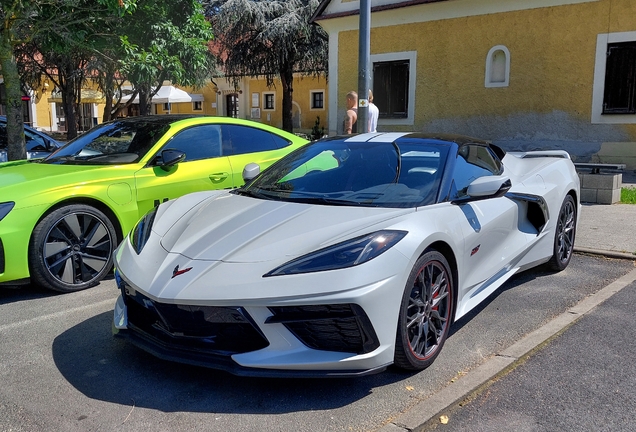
x=317, y=131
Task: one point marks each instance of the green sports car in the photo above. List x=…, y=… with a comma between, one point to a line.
x=61, y=217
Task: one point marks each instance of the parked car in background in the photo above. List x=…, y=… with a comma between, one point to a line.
x=344, y=257
x=61, y=217
x=38, y=144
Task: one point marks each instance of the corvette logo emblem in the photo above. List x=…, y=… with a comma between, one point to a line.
x=176, y=272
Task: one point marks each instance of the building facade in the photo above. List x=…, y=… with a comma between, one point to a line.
x=533, y=74
x=250, y=99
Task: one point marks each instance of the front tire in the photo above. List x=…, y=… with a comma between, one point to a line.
x=564, y=234
x=425, y=313
x=71, y=248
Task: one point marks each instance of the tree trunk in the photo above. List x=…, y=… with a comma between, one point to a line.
x=16, y=148
x=109, y=94
x=144, y=100
x=68, y=104
x=287, y=80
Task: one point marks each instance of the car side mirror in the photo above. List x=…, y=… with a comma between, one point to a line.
x=169, y=158
x=489, y=187
x=250, y=171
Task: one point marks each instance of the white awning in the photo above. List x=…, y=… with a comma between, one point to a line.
x=169, y=94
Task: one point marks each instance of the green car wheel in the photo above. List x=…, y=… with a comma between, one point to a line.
x=71, y=248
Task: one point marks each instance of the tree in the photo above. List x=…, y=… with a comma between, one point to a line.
x=105, y=41
x=62, y=54
x=22, y=23
x=270, y=38
x=165, y=40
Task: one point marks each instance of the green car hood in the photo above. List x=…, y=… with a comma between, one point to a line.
x=21, y=181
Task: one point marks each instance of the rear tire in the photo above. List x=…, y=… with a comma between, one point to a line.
x=71, y=248
x=425, y=313
x=564, y=234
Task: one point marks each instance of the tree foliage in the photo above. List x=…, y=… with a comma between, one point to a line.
x=105, y=41
x=271, y=39
x=23, y=22
x=165, y=40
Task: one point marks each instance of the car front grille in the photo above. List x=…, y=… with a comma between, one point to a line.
x=209, y=329
x=336, y=327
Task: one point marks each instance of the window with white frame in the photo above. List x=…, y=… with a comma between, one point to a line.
x=197, y=106
x=166, y=106
x=317, y=99
x=268, y=101
x=394, y=87
x=613, y=94
x=498, y=67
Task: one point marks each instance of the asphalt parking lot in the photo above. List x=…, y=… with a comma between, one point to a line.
x=62, y=370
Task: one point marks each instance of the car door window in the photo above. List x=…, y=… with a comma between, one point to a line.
x=198, y=142
x=34, y=142
x=473, y=161
x=244, y=139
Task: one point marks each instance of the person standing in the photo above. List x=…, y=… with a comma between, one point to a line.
x=351, y=115
x=374, y=113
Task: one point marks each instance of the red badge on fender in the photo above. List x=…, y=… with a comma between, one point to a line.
x=177, y=272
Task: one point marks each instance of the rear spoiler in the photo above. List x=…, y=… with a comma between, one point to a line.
x=542, y=153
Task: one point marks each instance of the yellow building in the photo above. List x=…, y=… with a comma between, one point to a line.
x=43, y=109
x=524, y=74
x=251, y=99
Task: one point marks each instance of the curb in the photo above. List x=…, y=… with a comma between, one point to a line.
x=428, y=409
x=606, y=253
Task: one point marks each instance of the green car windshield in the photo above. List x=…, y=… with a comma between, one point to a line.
x=336, y=172
x=113, y=143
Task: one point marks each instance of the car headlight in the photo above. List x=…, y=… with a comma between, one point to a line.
x=5, y=208
x=141, y=232
x=342, y=255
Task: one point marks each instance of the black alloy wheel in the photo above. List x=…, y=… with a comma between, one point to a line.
x=564, y=234
x=425, y=313
x=71, y=248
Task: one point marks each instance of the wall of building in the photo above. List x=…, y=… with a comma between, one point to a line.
x=548, y=101
x=252, y=93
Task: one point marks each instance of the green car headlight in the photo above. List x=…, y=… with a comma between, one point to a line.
x=141, y=232
x=5, y=208
x=342, y=255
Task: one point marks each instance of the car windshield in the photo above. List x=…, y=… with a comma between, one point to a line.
x=337, y=172
x=113, y=143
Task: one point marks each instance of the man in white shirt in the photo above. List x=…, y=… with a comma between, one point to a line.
x=374, y=113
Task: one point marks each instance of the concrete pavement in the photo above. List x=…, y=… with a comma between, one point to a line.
x=608, y=229
x=574, y=373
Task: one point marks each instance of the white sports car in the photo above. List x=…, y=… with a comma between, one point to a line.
x=348, y=255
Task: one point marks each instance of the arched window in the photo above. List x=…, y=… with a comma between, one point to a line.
x=498, y=67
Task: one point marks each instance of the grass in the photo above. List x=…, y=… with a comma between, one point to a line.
x=628, y=195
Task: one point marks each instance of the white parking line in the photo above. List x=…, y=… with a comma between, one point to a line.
x=64, y=312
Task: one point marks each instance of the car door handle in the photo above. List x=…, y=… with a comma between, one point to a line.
x=219, y=177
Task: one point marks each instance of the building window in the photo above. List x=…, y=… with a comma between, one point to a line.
x=614, y=91
x=268, y=101
x=317, y=99
x=498, y=67
x=391, y=88
x=620, y=79
x=166, y=106
x=197, y=106
x=393, y=85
